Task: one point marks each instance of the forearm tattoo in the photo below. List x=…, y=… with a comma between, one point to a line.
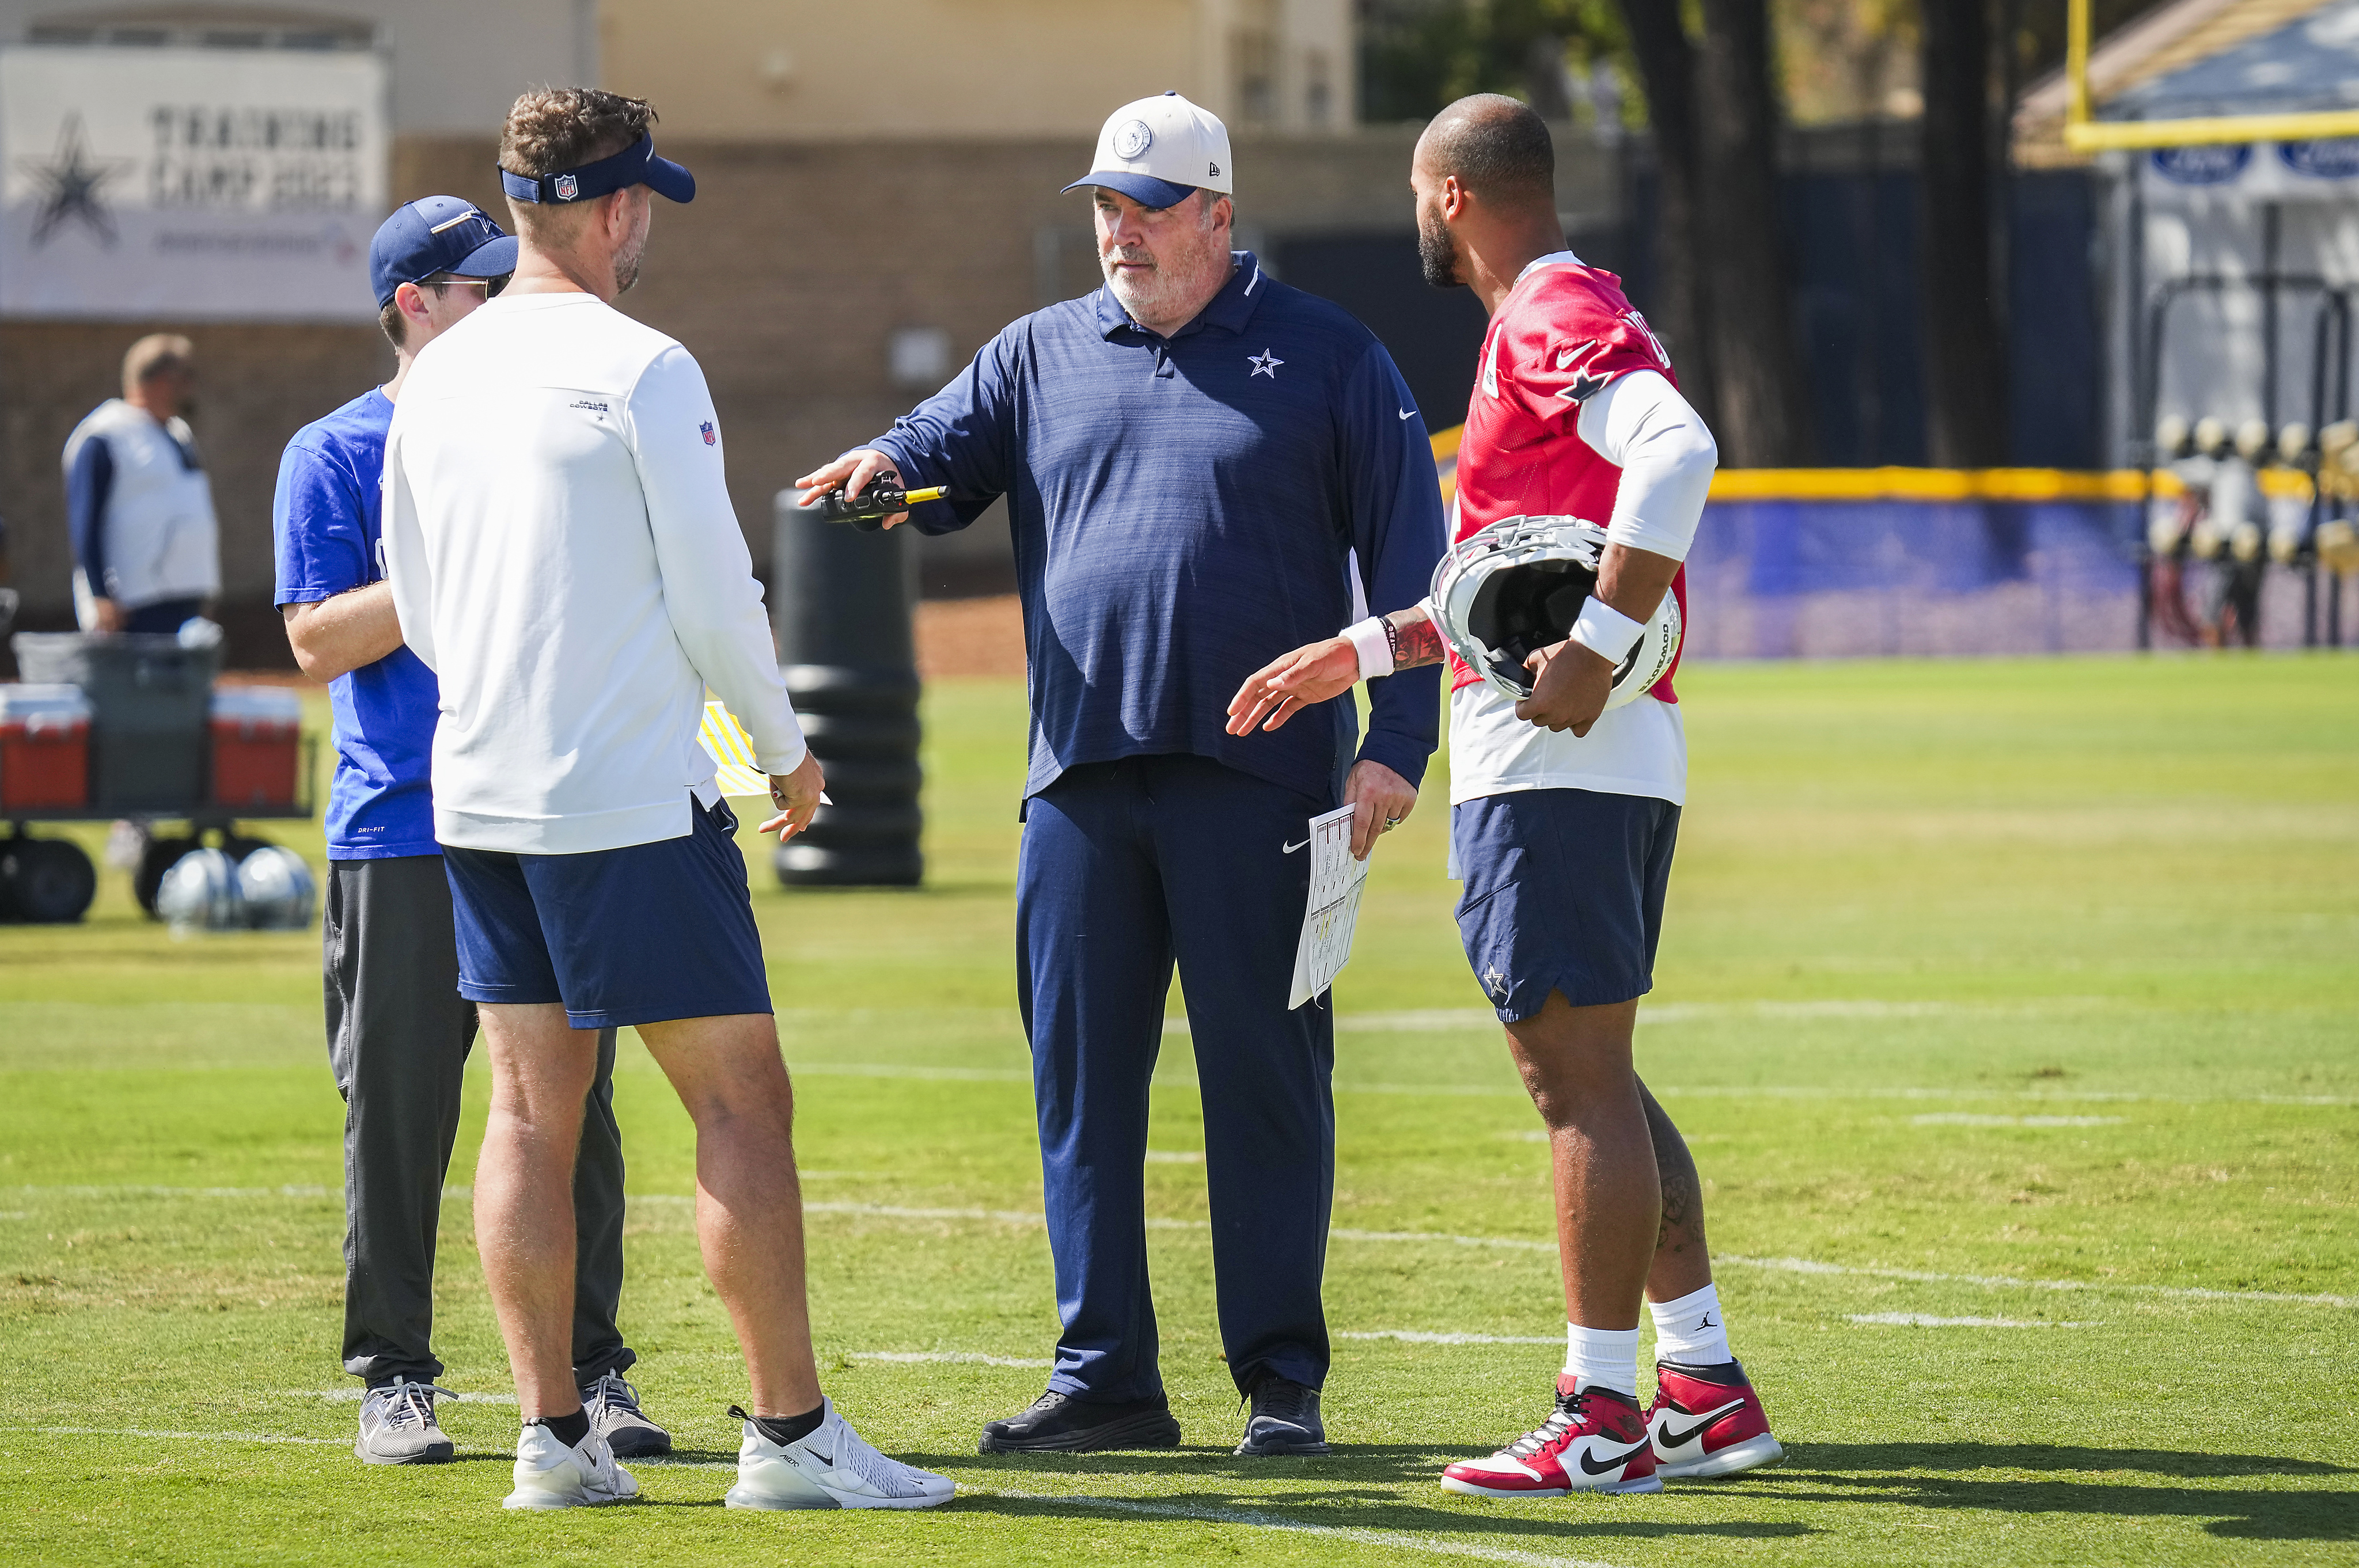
x=1415, y=639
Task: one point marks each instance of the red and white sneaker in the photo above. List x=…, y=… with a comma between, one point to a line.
x=1707, y=1421
x=1596, y=1441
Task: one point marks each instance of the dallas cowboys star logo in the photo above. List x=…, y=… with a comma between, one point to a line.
x=1264, y=363
x=75, y=181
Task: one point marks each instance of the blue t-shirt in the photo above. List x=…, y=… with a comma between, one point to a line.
x=324, y=522
x=1185, y=511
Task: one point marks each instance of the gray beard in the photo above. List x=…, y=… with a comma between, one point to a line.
x=1169, y=289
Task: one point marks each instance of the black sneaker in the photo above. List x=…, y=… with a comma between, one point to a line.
x=1284, y=1418
x=1060, y=1424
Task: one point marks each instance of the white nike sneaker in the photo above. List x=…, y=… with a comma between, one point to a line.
x=549, y=1474
x=833, y=1467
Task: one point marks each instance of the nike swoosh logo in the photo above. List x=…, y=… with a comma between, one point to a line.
x=1614, y=1462
x=1408, y=412
x=1291, y=848
x=1673, y=1439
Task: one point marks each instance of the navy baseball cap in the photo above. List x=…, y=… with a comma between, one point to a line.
x=437, y=233
x=635, y=165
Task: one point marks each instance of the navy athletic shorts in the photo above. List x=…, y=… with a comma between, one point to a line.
x=639, y=935
x=1564, y=892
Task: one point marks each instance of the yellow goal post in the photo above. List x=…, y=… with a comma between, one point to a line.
x=2083, y=133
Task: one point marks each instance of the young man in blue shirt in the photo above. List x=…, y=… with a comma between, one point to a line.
x=398, y=1032
x=1199, y=462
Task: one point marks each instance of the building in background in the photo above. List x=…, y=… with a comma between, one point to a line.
x=879, y=195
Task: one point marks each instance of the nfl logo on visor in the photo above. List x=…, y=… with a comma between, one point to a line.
x=707, y=428
x=567, y=187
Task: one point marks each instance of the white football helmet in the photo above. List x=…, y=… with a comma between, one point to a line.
x=1516, y=587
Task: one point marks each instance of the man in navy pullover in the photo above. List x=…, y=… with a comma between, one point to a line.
x=1203, y=468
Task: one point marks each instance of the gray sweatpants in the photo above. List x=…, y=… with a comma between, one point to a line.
x=399, y=1033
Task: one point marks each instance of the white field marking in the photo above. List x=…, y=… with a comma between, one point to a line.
x=354, y=1396
x=897, y=1211
x=1518, y=1244
x=1919, y=1320
x=1509, y=1243
x=1964, y=1118
x=963, y=1358
x=1419, y=1337
x=1175, y=1156
x=1822, y=1091
x=898, y=1070
x=2010, y=1283
x=138, y=1191
x=1440, y=1020
x=1392, y=1540
x=177, y=1436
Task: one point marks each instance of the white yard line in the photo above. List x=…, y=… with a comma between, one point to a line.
x=1919, y=1320
x=1440, y=1238
x=1964, y=1119
x=968, y=1358
x=1420, y=1337
x=177, y=1436
x=2011, y=1283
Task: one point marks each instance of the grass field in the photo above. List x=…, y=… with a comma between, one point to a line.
x=2012, y=1010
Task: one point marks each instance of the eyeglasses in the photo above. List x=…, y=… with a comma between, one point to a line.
x=490, y=285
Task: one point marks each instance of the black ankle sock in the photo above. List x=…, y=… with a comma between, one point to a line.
x=783, y=1429
x=570, y=1430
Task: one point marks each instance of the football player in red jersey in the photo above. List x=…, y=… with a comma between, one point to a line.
x=1564, y=812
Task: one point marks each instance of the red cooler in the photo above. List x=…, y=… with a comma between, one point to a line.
x=44, y=747
x=257, y=748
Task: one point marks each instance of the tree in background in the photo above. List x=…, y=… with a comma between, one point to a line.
x=1762, y=389
x=1960, y=279
x=1723, y=301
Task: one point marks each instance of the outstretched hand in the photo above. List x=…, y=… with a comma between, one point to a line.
x=1286, y=685
x=852, y=473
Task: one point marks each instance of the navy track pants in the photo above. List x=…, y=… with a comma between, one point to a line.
x=1127, y=866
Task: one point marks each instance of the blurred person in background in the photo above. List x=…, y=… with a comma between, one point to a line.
x=398, y=1031
x=140, y=509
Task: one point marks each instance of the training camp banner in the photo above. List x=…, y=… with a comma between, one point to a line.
x=189, y=183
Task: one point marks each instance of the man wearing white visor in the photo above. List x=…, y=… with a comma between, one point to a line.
x=1203, y=466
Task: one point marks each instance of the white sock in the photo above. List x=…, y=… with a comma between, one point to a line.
x=1692, y=1331
x=1607, y=1357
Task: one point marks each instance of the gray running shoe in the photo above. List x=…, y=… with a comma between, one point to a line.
x=397, y=1425
x=613, y=1406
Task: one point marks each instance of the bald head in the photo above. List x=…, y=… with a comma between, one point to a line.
x=1498, y=150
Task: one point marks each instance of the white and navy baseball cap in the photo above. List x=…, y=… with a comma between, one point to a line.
x=437, y=233
x=1158, y=150
x=635, y=165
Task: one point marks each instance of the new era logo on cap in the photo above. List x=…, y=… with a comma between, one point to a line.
x=1159, y=149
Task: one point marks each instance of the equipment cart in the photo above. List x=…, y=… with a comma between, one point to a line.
x=133, y=729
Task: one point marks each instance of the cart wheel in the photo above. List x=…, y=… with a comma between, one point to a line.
x=49, y=881
x=160, y=856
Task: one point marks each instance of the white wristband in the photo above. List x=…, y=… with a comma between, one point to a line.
x=1374, y=645
x=1605, y=631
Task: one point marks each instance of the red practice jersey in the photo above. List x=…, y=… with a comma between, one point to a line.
x=1563, y=332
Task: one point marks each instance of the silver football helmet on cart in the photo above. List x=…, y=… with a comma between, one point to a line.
x=1517, y=585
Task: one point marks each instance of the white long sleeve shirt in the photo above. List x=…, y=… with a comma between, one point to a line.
x=563, y=555
x=1640, y=424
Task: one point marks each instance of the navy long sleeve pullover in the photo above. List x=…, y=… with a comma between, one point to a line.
x=1185, y=511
